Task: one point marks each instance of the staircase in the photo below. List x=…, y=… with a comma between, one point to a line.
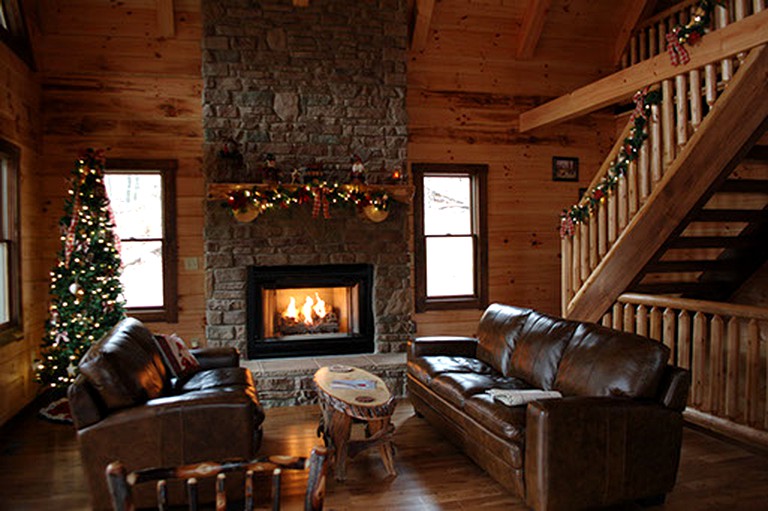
x=679, y=193
x=720, y=243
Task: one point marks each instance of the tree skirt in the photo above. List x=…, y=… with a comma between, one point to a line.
x=57, y=411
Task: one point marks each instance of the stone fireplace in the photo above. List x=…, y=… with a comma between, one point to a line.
x=313, y=87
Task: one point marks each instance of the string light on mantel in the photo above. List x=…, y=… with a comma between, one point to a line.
x=581, y=211
x=248, y=203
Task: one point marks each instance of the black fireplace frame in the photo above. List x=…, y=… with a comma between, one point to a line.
x=297, y=276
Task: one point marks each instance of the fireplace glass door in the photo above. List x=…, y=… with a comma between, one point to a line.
x=309, y=310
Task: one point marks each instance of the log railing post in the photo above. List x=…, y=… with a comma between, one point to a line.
x=732, y=370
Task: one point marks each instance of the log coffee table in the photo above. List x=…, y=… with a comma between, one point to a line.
x=363, y=398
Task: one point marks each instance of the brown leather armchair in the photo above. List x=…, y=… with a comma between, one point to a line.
x=126, y=406
x=614, y=436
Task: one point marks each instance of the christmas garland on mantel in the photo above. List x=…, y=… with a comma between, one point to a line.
x=250, y=202
x=581, y=211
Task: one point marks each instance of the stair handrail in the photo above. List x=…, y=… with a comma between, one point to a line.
x=724, y=347
x=648, y=38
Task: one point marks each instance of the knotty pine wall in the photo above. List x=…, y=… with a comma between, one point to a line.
x=111, y=79
x=19, y=124
x=465, y=93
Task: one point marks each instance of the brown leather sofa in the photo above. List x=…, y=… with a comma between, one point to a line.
x=127, y=407
x=614, y=436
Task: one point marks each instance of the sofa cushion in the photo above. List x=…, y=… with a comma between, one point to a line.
x=125, y=366
x=456, y=388
x=426, y=368
x=539, y=348
x=507, y=422
x=600, y=361
x=497, y=333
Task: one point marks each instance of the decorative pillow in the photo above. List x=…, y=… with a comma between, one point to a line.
x=516, y=397
x=177, y=356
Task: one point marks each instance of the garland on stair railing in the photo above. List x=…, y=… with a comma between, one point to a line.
x=581, y=211
x=690, y=33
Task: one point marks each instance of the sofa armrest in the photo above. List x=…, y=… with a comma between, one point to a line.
x=675, y=384
x=584, y=452
x=212, y=358
x=442, y=345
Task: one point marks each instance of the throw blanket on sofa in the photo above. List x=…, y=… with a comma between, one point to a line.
x=521, y=397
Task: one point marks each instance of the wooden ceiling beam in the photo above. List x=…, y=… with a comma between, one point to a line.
x=166, y=21
x=620, y=86
x=631, y=17
x=422, y=20
x=532, y=26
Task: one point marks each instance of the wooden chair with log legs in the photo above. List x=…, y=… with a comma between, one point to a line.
x=122, y=483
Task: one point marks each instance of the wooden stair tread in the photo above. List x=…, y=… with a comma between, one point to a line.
x=714, y=242
x=744, y=186
x=688, y=289
x=690, y=266
x=732, y=215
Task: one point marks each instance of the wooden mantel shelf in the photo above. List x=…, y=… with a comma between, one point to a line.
x=220, y=191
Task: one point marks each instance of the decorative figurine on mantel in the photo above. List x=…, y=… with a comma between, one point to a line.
x=271, y=172
x=296, y=176
x=357, y=175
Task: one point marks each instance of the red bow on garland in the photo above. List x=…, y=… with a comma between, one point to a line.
x=677, y=52
x=321, y=202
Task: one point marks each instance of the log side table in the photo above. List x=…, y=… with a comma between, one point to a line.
x=341, y=403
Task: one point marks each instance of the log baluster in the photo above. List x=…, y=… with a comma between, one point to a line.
x=629, y=318
x=654, y=331
x=583, y=228
x=641, y=320
x=632, y=178
x=698, y=368
x=721, y=21
x=607, y=320
x=694, y=82
x=684, y=339
x=575, y=260
x=593, y=259
x=622, y=202
x=715, y=381
x=565, y=275
x=667, y=123
x=681, y=112
x=732, y=370
x=753, y=374
x=668, y=335
x=654, y=136
x=602, y=229
x=617, y=316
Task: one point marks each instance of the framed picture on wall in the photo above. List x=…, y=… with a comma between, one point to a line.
x=565, y=169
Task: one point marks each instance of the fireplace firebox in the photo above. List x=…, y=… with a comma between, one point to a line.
x=309, y=310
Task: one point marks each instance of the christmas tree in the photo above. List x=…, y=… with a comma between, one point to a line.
x=85, y=283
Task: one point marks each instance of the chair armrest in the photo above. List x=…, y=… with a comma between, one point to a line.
x=442, y=345
x=212, y=358
x=584, y=452
x=675, y=384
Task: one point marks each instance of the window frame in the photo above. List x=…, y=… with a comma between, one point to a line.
x=16, y=37
x=169, y=313
x=478, y=174
x=12, y=330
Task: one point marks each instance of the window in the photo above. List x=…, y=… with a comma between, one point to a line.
x=10, y=271
x=13, y=30
x=451, y=236
x=143, y=198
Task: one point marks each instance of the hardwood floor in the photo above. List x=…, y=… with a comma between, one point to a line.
x=40, y=469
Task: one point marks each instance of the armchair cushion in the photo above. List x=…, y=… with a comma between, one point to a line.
x=125, y=366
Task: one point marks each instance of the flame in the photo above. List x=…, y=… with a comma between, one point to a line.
x=311, y=312
x=306, y=311
x=319, y=307
x=291, y=311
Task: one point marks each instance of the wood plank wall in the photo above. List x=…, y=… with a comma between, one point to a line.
x=465, y=93
x=19, y=124
x=112, y=79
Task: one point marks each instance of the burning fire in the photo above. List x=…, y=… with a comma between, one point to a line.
x=311, y=311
